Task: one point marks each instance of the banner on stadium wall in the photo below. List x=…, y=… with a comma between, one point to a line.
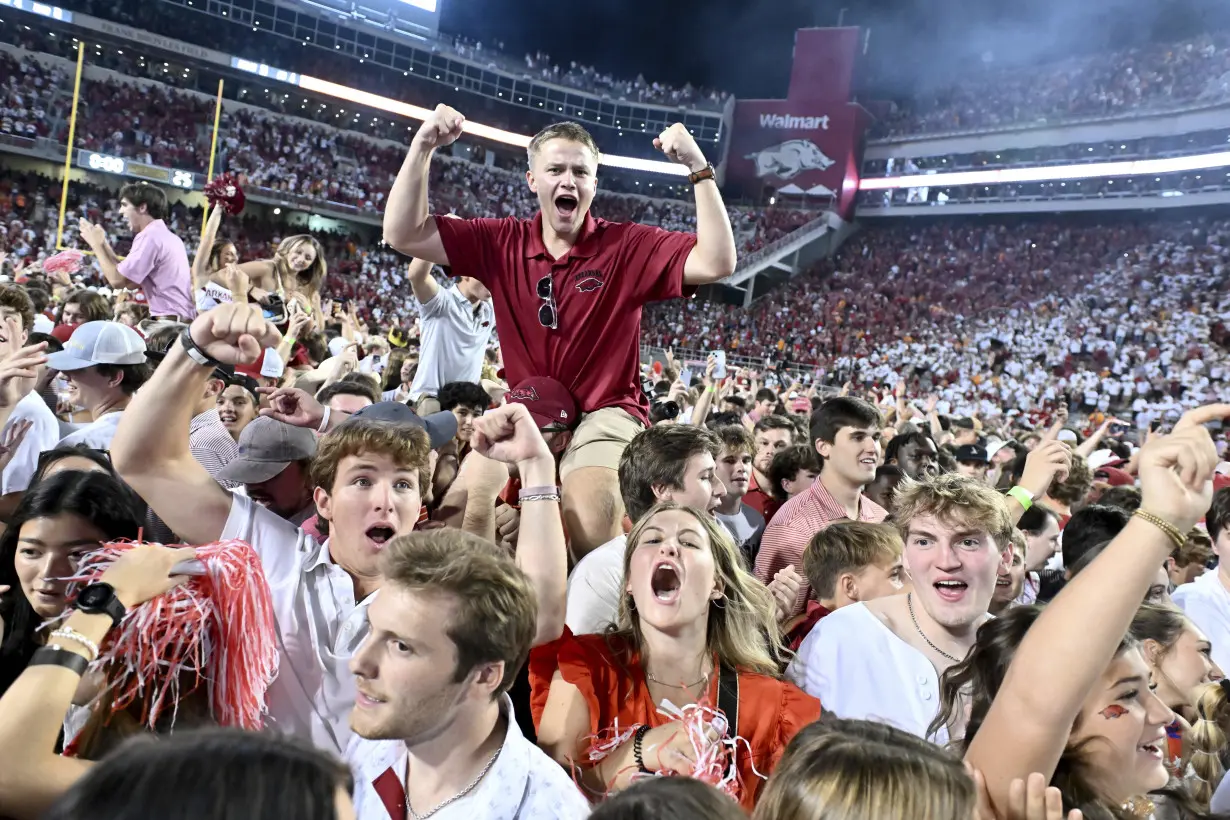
x=806, y=149
x=145, y=38
x=823, y=67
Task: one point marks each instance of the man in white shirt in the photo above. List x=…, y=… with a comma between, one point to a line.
x=367, y=476
x=882, y=660
x=670, y=462
x=456, y=322
x=1207, y=599
x=42, y=430
x=105, y=365
x=434, y=726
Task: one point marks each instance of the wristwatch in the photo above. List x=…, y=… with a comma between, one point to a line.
x=99, y=599
x=194, y=352
x=703, y=174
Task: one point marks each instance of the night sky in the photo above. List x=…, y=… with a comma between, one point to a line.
x=745, y=46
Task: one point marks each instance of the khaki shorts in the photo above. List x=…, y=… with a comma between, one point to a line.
x=600, y=439
x=426, y=405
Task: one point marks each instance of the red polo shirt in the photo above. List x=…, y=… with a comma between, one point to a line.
x=600, y=286
x=760, y=500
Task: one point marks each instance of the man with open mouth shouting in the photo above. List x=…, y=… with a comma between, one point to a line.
x=882, y=660
x=568, y=288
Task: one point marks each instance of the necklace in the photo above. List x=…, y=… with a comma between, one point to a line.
x=685, y=687
x=416, y=816
x=909, y=602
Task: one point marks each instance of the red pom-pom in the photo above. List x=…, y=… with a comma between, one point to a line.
x=225, y=189
x=68, y=262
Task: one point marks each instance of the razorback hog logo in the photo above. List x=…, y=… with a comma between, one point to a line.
x=789, y=159
x=590, y=280
x=523, y=394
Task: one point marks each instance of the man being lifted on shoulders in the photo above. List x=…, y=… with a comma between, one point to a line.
x=568, y=289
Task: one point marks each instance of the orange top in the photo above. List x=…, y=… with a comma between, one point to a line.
x=610, y=678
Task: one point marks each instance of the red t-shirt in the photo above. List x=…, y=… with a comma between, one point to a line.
x=600, y=286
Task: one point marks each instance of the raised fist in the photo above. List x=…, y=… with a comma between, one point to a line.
x=442, y=128
x=234, y=333
x=679, y=146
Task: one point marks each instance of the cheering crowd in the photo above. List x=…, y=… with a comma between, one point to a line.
x=463, y=553
x=1154, y=75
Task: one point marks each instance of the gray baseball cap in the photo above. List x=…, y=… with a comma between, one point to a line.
x=266, y=448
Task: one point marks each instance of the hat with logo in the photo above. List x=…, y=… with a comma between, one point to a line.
x=800, y=404
x=266, y=448
x=440, y=427
x=971, y=453
x=548, y=401
x=96, y=343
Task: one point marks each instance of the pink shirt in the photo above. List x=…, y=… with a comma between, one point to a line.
x=158, y=263
x=788, y=535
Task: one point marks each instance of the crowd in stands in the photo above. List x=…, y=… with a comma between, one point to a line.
x=1129, y=314
x=1115, y=83
x=183, y=23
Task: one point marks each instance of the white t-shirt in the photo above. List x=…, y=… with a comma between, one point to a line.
x=96, y=434
x=594, y=588
x=1207, y=602
x=860, y=669
x=44, y=434
x=454, y=338
x=319, y=624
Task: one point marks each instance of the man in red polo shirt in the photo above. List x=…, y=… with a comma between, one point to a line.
x=568, y=289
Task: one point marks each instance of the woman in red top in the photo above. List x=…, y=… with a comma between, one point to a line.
x=692, y=628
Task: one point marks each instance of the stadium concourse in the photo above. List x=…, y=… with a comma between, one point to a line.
x=380, y=477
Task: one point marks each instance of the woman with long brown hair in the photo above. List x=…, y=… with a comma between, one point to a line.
x=695, y=631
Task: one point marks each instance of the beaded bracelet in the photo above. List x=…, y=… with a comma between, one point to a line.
x=1172, y=532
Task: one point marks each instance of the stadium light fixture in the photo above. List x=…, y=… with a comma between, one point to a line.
x=476, y=129
x=1052, y=173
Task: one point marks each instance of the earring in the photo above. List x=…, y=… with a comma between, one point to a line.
x=718, y=602
x=631, y=604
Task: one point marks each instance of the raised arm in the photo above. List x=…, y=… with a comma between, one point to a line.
x=508, y=434
x=108, y=262
x=408, y=224
x=714, y=257
x=1029, y=722
x=422, y=282
x=150, y=449
x=200, y=262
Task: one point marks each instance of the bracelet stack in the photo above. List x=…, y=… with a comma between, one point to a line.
x=70, y=634
x=1172, y=532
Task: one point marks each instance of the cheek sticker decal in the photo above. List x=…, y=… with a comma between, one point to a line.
x=1113, y=711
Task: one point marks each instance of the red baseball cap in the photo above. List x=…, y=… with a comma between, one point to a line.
x=548, y=401
x=1114, y=477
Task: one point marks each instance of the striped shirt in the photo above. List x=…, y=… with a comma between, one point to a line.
x=791, y=529
x=211, y=444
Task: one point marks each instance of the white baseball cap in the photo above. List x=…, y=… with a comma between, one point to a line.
x=96, y=343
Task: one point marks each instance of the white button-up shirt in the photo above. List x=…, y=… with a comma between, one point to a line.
x=860, y=669
x=319, y=624
x=523, y=783
x=1207, y=602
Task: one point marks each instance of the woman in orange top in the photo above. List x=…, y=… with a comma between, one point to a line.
x=693, y=627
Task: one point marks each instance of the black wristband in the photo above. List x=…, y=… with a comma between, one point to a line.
x=194, y=350
x=637, y=740
x=55, y=656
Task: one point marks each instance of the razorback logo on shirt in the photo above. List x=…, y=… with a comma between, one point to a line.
x=590, y=280
x=523, y=394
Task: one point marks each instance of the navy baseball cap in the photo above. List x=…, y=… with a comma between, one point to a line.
x=440, y=427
